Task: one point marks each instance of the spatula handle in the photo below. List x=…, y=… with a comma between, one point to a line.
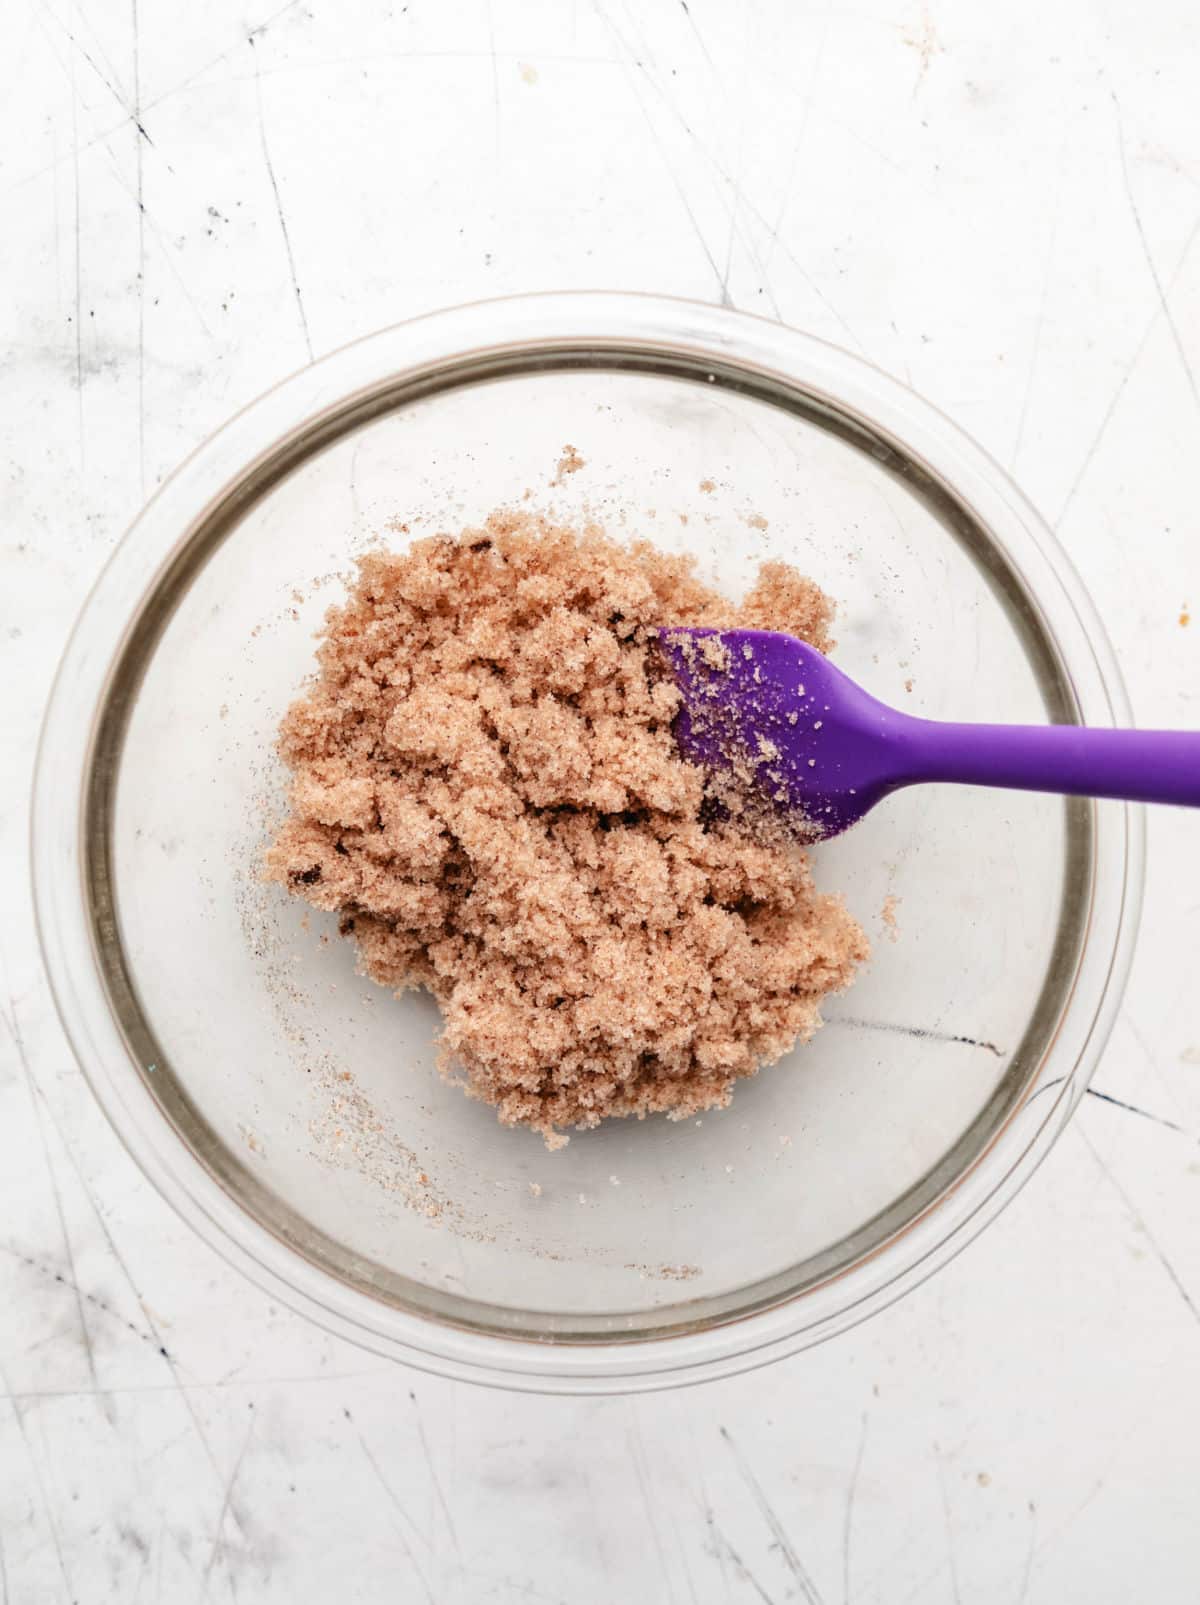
x=1160, y=766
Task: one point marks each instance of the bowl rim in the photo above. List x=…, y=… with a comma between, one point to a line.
x=78, y=693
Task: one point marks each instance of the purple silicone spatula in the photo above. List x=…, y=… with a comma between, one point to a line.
x=812, y=742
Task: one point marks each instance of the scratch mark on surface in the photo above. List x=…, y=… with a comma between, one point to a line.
x=283, y=228
x=1163, y=301
x=1139, y=1221
x=949, y=1527
x=141, y=233
x=722, y=173
x=194, y=1387
x=1102, y=429
x=920, y=1589
x=1029, y=1554
x=919, y=1032
x=640, y=56
x=626, y=58
x=637, y=1454
x=696, y=1460
x=725, y=1547
x=131, y=112
x=491, y=22
x=400, y=1510
x=225, y=1504
x=812, y=284
x=433, y=1475
x=177, y=1385
x=260, y=28
x=1132, y=1108
x=511, y=1585
x=97, y=1303
x=682, y=1546
x=598, y=1534
x=102, y=141
x=1041, y=313
x=78, y=273
x=55, y=1537
x=182, y=85
x=166, y=246
x=154, y=1336
x=13, y=1026
x=727, y=270
x=758, y=214
x=814, y=78
x=794, y=1564
x=16, y=57
x=851, y=1497
x=1097, y=1488
x=736, y=182
x=1151, y=1058
x=687, y=11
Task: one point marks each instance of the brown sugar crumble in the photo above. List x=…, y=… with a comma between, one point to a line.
x=486, y=788
x=569, y=463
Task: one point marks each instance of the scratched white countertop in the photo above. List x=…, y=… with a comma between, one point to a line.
x=998, y=204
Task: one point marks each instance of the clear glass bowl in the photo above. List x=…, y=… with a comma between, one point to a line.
x=291, y=1110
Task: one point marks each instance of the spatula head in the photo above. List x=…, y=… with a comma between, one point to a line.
x=774, y=714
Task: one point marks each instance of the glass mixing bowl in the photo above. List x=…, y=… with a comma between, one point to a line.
x=291, y=1110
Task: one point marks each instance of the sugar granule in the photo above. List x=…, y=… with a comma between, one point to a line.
x=486, y=788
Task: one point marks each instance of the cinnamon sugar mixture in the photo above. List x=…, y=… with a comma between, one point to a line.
x=486, y=788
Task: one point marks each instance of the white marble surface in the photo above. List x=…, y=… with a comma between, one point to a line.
x=1000, y=205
